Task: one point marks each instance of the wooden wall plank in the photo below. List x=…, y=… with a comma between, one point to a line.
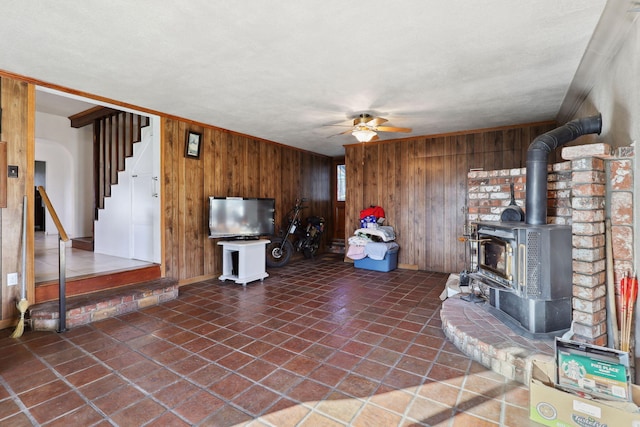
x=229, y=165
x=427, y=198
x=16, y=104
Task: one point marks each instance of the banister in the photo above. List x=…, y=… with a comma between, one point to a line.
x=54, y=215
x=62, y=264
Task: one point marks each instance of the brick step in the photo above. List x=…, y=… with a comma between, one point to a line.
x=476, y=332
x=83, y=309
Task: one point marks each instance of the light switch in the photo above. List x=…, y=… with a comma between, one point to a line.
x=13, y=171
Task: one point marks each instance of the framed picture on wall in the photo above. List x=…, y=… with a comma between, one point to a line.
x=192, y=145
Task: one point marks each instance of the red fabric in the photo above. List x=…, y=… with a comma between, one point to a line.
x=376, y=211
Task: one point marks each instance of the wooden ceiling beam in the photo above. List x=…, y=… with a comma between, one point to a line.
x=87, y=117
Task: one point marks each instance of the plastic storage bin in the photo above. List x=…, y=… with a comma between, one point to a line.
x=390, y=262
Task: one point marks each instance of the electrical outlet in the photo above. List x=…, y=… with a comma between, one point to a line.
x=12, y=279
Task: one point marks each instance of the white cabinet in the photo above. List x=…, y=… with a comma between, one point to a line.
x=243, y=260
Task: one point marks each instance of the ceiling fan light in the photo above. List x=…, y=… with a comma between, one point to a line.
x=363, y=135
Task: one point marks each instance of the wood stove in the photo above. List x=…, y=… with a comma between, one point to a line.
x=528, y=269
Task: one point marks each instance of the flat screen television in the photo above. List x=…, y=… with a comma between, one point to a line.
x=241, y=217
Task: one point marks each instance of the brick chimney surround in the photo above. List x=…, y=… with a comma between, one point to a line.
x=591, y=185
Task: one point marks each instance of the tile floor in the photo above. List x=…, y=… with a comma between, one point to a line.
x=318, y=343
x=78, y=262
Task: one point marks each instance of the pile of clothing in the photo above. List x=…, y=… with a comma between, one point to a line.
x=373, y=240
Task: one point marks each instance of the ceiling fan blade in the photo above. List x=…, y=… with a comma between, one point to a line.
x=391, y=129
x=375, y=138
x=376, y=121
x=341, y=133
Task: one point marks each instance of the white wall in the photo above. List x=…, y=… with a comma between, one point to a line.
x=117, y=230
x=68, y=154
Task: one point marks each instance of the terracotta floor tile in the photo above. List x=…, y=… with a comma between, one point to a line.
x=255, y=400
x=402, y=379
x=21, y=384
x=281, y=380
x=301, y=365
x=139, y=413
x=104, y=385
x=257, y=348
x=18, y=420
x=463, y=419
x=440, y=392
x=157, y=380
x=317, y=343
x=198, y=345
x=317, y=419
x=168, y=419
x=430, y=412
x=257, y=370
x=358, y=386
x=8, y=408
x=198, y=407
x=208, y=375
x=372, y=370
x=286, y=413
x=234, y=360
x=88, y=375
x=328, y=375
x=480, y=406
x=74, y=365
x=188, y=365
x=343, y=360
x=118, y=399
x=278, y=356
x=340, y=407
x=230, y=386
x=373, y=415
x=384, y=356
x=56, y=406
x=227, y=416
x=308, y=392
x=83, y=416
x=44, y=392
x=176, y=393
x=141, y=369
x=125, y=360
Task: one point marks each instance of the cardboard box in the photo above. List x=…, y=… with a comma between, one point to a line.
x=390, y=262
x=599, y=372
x=550, y=406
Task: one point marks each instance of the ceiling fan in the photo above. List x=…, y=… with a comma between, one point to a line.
x=366, y=127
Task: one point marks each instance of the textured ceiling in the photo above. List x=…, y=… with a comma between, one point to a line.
x=284, y=71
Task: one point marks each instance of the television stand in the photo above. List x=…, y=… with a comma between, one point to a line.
x=243, y=261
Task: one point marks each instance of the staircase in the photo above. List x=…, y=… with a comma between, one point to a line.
x=114, y=133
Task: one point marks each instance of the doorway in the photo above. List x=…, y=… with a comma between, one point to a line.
x=70, y=185
x=339, y=191
x=40, y=179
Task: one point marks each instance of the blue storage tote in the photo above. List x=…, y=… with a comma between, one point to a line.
x=390, y=262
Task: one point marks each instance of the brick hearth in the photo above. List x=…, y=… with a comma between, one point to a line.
x=486, y=339
x=591, y=186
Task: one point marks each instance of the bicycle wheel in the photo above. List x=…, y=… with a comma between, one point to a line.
x=278, y=254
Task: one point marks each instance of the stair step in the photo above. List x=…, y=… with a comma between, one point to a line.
x=87, y=308
x=84, y=243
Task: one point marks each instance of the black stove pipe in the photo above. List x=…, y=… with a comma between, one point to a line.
x=538, y=156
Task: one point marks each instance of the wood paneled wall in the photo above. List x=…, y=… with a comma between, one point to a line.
x=17, y=100
x=422, y=185
x=229, y=165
